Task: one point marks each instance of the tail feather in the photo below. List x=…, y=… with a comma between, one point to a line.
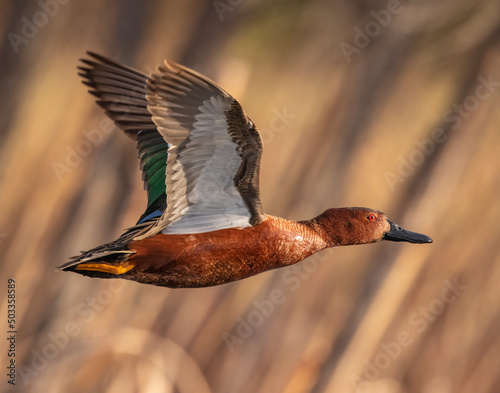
x=111, y=258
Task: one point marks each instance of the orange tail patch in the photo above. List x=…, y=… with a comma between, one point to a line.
x=123, y=267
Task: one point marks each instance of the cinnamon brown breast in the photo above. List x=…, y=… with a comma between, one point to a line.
x=223, y=256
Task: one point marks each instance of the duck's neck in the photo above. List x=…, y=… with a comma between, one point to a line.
x=334, y=227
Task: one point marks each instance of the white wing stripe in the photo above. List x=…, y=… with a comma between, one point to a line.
x=214, y=202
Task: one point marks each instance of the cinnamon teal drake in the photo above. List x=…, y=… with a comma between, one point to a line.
x=200, y=155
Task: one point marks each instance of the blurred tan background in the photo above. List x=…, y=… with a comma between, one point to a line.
x=392, y=105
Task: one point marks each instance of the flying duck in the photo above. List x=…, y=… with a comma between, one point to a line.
x=200, y=156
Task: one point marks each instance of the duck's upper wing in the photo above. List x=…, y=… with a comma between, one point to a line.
x=210, y=180
x=121, y=92
x=212, y=177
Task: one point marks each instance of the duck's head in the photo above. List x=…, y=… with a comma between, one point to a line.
x=359, y=225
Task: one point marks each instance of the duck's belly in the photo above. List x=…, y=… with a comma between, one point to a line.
x=215, y=258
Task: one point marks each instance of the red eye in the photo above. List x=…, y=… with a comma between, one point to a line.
x=371, y=217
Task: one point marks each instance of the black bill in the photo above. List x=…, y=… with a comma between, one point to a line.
x=397, y=234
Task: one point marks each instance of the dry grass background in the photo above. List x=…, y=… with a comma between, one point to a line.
x=350, y=124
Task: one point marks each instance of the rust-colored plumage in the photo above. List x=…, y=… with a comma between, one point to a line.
x=218, y=257
x=200, y=155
